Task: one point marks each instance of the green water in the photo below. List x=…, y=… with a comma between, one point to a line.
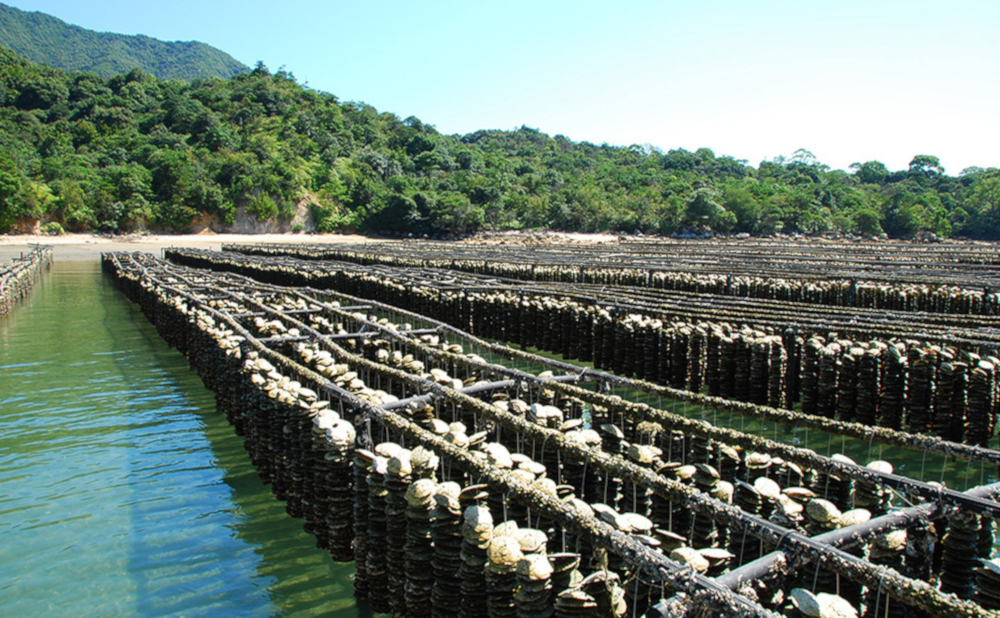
x=958, y=474
x=123, y=492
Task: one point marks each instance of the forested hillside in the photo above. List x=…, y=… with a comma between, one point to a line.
x=49, y=40
x=134, y=151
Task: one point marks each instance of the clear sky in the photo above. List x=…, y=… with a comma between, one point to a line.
x=753, y=79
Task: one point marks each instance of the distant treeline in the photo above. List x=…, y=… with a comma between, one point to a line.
x=51, y=41
x=133, y=151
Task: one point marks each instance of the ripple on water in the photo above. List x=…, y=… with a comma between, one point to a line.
x=122, y=491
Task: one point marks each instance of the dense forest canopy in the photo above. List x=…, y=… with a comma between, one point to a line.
x=133, y=151
x=49, y=40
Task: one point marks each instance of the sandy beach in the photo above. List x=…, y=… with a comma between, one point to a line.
x=76, y=247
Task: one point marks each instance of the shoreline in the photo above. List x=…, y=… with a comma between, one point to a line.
x=86, y=247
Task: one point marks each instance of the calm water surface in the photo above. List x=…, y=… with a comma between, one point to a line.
x=123, y=492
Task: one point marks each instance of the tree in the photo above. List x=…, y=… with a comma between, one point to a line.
x=72, y=208
x=173, y=174
x=926, y=165
x=982, y=209
x=176, y=215
x=466, y=160
x=905, y=221
x=744, y=206
x=702, y=209
x=183, y=113
x=680, y=160
x=108, y=212
x=42, y=92
x=870, y=172
x=134, y=148
x=10, y=186
x=454, y=214
x=414, y=122
x=436, y=159
x=419, y=143
x=803, y=157
x=867, y=222
x=986, y=195
x=800, y=210
x=398, y=214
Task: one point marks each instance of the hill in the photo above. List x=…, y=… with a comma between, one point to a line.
x=48, y=40
x=135, y=151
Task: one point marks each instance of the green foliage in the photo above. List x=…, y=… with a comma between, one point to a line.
x=741, y=202
x=867, y=222
x=133, y=151
x=330, y=220
x=397, y=213
x=72, y=207
x=927, y=165
x=176, y=215
x=453, y=214
x=702, y=208
x=871, y=172
x=10, y=186
x=262, y=207
x=48, y=40
x=52, y=228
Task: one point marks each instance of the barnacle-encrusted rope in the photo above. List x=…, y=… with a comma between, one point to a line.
x=19, y=276
x=801, y=548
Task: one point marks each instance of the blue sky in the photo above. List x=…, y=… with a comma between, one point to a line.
x=849, y=81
